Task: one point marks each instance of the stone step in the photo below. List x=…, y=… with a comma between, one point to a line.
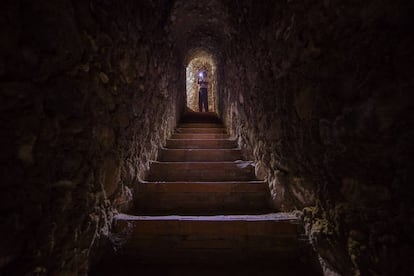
x=197, y=155
x=201, y=171
x=201, y=143
x=198, y=117
x=115, y=266
x=200, y=125
x=200, y=136
x=202, y=197
x=208, y=239
x=201, y=130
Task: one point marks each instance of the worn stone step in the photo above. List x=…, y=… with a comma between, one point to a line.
x=201, y=130
x=198, y=117
x=209, y=239
x=201, y=143
x=115, y=266
x=201, y=171
x=200, y=125
x=202, y=197
x=200, y=136
x=197, y=155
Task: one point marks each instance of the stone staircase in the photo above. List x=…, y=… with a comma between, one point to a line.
x=201, y=204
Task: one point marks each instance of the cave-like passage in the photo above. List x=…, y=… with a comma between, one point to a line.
x=316, y=93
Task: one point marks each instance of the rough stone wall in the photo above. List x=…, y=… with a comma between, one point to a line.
x=320, y=93
x=88, y=91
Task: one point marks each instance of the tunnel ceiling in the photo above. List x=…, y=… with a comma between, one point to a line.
x=198, y=25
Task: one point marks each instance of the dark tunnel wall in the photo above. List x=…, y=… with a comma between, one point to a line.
x=320, y=94
x=89, y=90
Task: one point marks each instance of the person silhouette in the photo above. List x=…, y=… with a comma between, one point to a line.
x=203, y=93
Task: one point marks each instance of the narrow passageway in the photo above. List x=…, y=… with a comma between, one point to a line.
x=302, y=165
x=201, y=61
x=201, y=209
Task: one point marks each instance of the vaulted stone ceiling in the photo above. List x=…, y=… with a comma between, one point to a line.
x=200, y=24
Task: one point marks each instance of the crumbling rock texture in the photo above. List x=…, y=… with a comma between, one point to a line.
x=89, y=91
x=318, y=93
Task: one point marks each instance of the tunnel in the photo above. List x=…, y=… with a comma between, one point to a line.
x=316, y=95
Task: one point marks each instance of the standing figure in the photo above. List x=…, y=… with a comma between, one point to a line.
x=202, y=93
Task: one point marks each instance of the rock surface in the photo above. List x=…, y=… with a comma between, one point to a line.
x=325, y=108
x=85, y=103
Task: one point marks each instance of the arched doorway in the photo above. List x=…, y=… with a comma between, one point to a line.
x=197, y=61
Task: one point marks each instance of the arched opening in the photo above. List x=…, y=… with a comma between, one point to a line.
x=198, y=61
